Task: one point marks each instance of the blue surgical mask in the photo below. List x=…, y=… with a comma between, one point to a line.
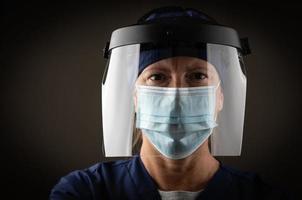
x=176, y=120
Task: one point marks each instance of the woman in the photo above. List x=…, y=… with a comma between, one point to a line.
x=177, y=77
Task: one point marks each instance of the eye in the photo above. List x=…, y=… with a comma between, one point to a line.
x=157, y=77
x=197, y=76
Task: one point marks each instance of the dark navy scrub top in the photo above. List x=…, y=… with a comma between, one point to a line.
x=128, y=179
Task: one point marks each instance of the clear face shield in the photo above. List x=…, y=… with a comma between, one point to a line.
x=173, y=101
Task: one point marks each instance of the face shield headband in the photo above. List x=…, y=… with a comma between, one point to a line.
x=183, y=32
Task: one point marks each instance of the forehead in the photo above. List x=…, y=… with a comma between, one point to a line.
x=182, y=63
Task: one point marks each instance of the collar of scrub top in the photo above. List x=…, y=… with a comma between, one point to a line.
x=148, y=189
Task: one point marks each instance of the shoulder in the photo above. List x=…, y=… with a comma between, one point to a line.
x=241, y=176
x=89, y=183
x=250, y=184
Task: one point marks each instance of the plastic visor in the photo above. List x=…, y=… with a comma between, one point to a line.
x=118, y=110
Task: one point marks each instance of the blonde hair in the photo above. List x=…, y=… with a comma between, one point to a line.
x=137, y=139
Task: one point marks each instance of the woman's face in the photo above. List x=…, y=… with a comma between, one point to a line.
x=182, y=72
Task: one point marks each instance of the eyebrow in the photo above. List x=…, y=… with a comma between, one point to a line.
x=196, y=66
x=157, y=67
x=191, y=66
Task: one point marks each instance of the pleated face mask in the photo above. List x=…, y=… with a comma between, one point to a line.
x=176, y=120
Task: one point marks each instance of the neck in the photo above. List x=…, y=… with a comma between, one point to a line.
x=188, y=174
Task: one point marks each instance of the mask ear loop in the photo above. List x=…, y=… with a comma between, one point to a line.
x=216, y=87
x=215, y=117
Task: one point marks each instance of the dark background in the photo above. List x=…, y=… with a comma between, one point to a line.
x=51, y=68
